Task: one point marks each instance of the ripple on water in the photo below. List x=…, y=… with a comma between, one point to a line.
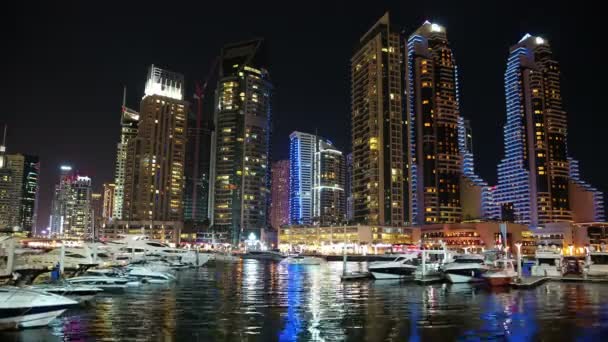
x=259, y=301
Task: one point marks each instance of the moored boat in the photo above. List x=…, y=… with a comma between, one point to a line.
x=28, y=308
x=403, y=266
x=501, y=274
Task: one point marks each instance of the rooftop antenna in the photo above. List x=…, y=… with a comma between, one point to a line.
x=124, y=96
x=4, y=136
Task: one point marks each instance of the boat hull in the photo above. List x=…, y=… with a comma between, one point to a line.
x=30, y=317
x=499, y=281
x=392, y=273
x=464, y=275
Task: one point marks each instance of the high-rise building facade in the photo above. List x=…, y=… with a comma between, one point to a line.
x=129, y=120
x=18, y=190
x=432, y=114
x=329, y=197
x=241, y=170
x=71, y=212
x=348, y=188
x=96, y=214
x=302, y=148
x=279, y=205
x=533, y=176
x=378, y=128
x=109, y=190
x=198, y=162
x=476, y=196
x=587, y=202
x=154, y=164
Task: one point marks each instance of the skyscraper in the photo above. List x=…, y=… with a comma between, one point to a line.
x=241, y=171
x=279, y=206
x=129, y=119
x=198, y=162
x=302, y=148
x=154, y=164
x=377, y=127
x=109, y=190
x=71, y=213
x=534, y=175
x=329, y=198
x=18, y=190
x=96, y=214
x=432, y=115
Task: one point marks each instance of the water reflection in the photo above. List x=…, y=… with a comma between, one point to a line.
x=258, y=301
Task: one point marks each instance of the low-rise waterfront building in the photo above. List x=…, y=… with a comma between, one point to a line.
x=168, y=231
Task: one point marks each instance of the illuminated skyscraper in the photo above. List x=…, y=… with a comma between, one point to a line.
x=71, y=213
x=279, y=206
x=154, y=164
x=329, y=197
x=129, y=119
x=109, y=190
x=241, y=170
x=302, y=148
x=378, y=127
x=96, y=214
x=534, y=174
x=435, y=167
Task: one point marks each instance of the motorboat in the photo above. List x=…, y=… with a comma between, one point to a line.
x=223, y=257
x=105, y=282
x=465, y=268
x=264, y=255
x=597, y=265
x=72, y=258
x=139, y=247
x=146, y=275
x=301, y=260
x=28, y=308
x=548, y=263
x=501, y=274
x=79, y=293
x=403, y=266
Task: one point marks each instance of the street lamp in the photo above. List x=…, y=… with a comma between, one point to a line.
x=518, y=245
x=571, y=249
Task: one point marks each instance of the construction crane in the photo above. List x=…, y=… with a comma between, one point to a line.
x=199, y=96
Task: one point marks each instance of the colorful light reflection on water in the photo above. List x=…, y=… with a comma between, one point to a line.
x=260, y=301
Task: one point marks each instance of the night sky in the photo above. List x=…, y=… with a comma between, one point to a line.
x=67, y=64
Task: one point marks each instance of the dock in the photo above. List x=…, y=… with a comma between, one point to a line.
x=528, y=282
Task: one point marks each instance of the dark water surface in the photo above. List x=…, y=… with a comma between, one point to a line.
x=261, y=301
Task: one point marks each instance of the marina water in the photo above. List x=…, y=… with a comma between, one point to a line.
x=264, y=301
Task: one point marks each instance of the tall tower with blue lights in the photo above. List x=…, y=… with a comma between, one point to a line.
x=536, y=181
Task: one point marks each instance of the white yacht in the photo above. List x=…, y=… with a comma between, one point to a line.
x=548, y=262
x=264, y=255
x=146, y=275
x=79, y=293
x=27, y=308
x=105, y=282
x=73, y=257
x=137, y=247
x=301, y=260
x=403, y=266
x=597, y=265
x=465, y=268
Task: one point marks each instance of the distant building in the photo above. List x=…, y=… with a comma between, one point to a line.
x=97, y=214
x=18, y=190
x=329, y=197
x=71, y=213
x=279, y=205
x=535, y=177
x=129, y=120
x=109, y=190
x=302, y=148
x=378, y=128
x=317, y=177
x=241, y=170
x=155, y=159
